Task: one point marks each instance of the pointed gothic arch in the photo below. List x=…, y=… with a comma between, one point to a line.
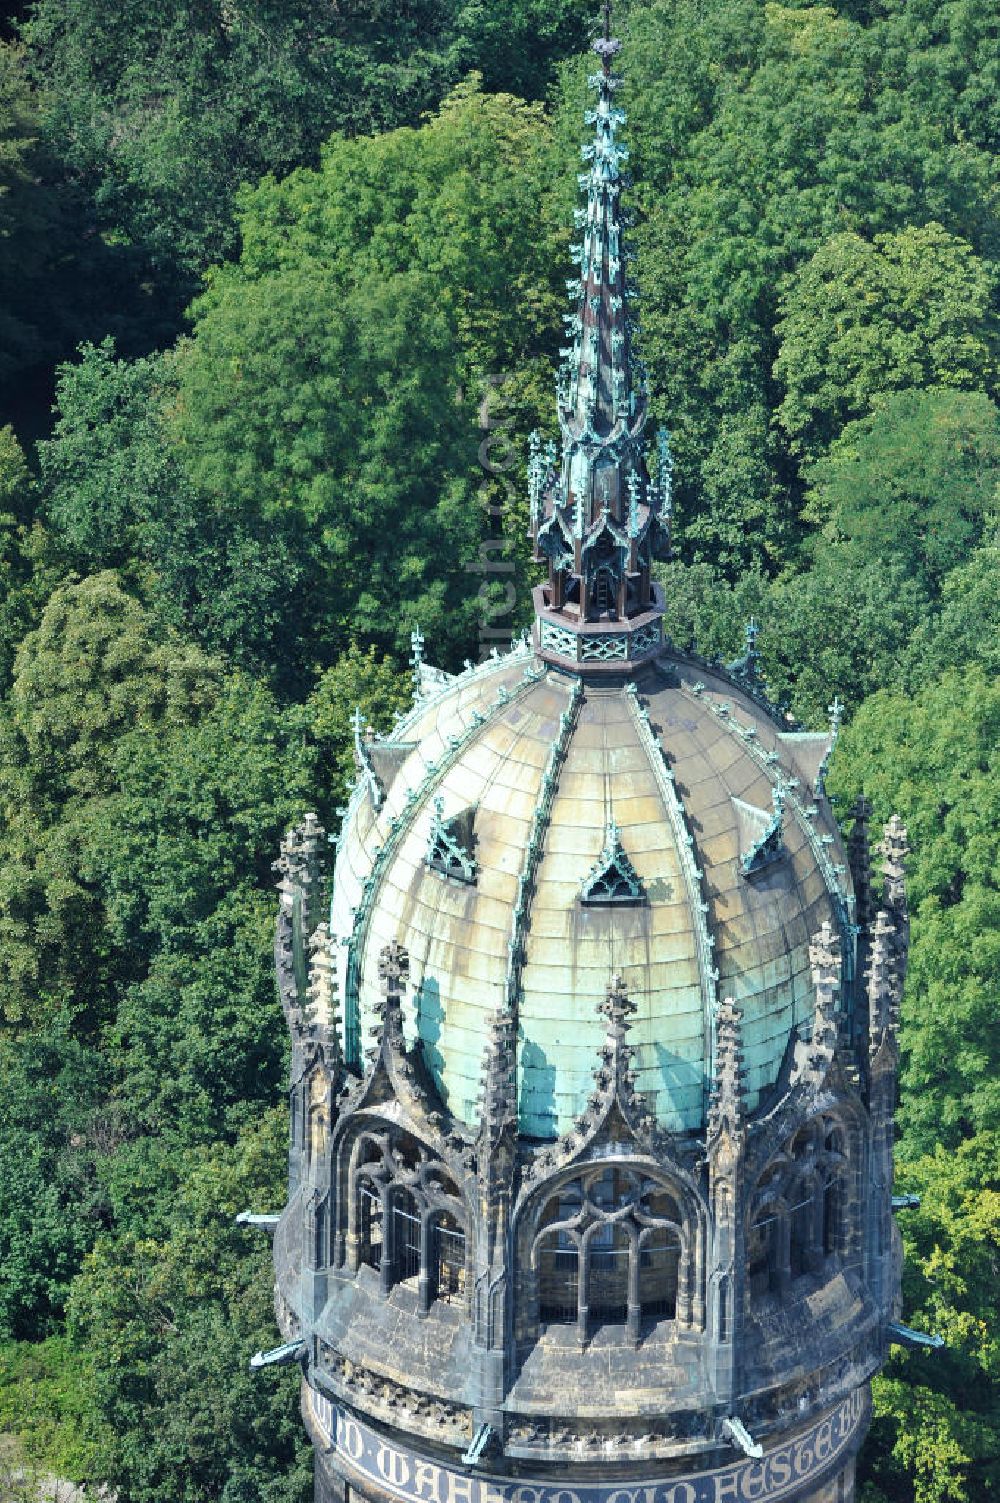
x=609, y=1242
x=401, y=1211
x=802, y=1218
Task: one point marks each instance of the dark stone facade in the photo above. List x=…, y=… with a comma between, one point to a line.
x=728, y=1291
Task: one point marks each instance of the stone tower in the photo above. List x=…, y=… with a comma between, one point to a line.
x=594, y=1051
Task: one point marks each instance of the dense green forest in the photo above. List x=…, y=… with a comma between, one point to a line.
x=259, y=262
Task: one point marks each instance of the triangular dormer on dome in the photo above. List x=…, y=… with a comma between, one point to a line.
x=612, y=878
x=450, y=844
x=760, y=833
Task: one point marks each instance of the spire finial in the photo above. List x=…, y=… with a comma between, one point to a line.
x=597, y=519
x=606, y=46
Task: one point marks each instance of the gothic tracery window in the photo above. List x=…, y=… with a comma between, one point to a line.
x=797, y=1217
x=608, y=1250
x=405, y=1217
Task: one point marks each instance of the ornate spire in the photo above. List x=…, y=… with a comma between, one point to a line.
x=725, y=1112
x=417, y=664
x=598, y=520
x=747, y=666
x=321, y=1012
x=824, y=958
x=614, y=1077
x=614, y=1087
x=301, y=885
x=894, y=850
x=362, y=757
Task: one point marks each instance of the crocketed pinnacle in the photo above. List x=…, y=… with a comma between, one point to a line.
x=393, y=971
x=498, y=1097
x=881, y=998
x=597, y=518
x=726, y=1105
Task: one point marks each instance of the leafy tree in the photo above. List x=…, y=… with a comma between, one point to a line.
x=358, y=680
x=842, y=628
x=934, y=758
x=54, y=1126
x=332, y=372
x=118, y=495
x=936, y=1434
x=160, y=112
x=171, y=1321
x=760, y=133
x=862, y=318
x=31, y=228
x=26, y=571
x=915, y=481
x=707, y=613
x=46, y=1406
x=106, y=468
x=965, y=628
x=182, y=854
x=96, y=666
x=56, y=276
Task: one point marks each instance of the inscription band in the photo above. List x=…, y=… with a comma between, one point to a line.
x=412, y=1478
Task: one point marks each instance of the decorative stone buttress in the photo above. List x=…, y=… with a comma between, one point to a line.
x=594, y=1051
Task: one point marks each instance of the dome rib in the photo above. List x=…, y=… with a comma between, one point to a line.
x=787, y=786
x=708, y=974
x=397, y=827
x=521, y=947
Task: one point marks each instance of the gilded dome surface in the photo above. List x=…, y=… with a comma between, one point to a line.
x=545, y=779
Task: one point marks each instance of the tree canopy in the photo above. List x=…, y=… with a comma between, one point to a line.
x=281, y=290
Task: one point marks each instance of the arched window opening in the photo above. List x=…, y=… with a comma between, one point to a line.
x=406, y=1218
x=603, y=591
x=449, y=1284
x=762, y=1252
x=801, y=1230
x=559, y=1280
x=806, y=1181
x=608, y=1251
x=831, y=1216
x=370, y=1229
x=405, y=1236
x=559, y=1257
x=659, y=1261
x=723, y=1330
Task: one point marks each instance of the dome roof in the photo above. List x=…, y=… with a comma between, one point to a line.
x=527, y=833
x=601, y=807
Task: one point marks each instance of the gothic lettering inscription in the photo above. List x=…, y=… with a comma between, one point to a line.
x=412, y=1479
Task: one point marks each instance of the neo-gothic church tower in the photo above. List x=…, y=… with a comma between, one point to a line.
x=594, y=1049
